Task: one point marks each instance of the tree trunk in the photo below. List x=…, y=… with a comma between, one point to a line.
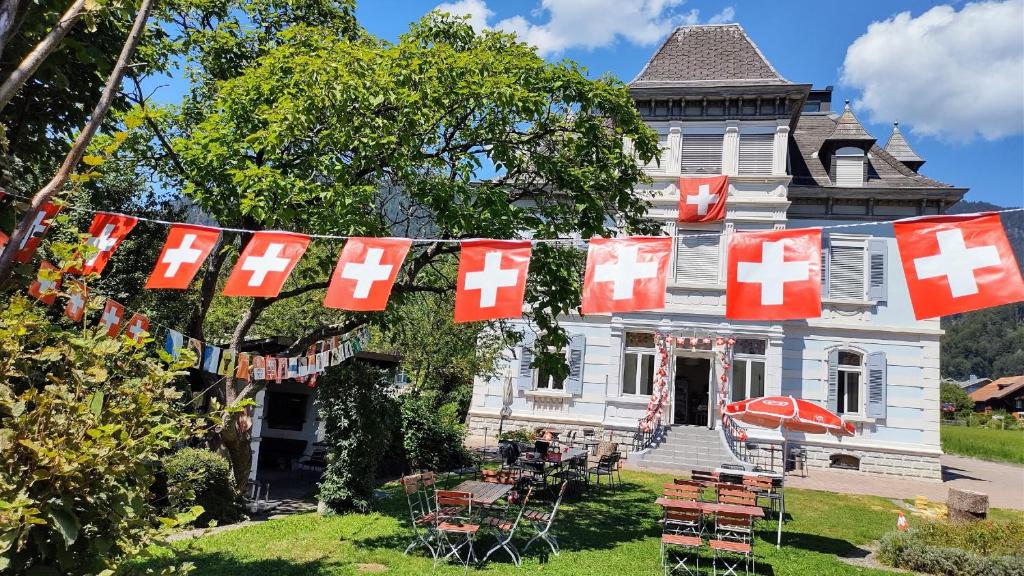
x=81, y=143
x=28, y=66
x=8, y=21
x=238, y=450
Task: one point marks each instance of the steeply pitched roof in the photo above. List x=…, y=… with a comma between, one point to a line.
x=707, y=55
x=998, y=389
x=884, y=171
x=848, y=128
x=900, y=149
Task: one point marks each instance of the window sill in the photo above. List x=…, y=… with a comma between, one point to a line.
x=630, y=399
x=548, y=394
x=696, y=286
x=858, y=303
x=858, y=419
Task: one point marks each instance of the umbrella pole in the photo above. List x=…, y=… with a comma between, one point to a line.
x=782, y=497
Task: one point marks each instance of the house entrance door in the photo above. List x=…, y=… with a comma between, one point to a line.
x=692, y=391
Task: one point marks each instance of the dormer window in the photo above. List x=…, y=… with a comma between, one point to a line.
x=848, y=167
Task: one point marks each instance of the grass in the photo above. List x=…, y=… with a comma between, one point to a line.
x=606, y=533
x=984, y=443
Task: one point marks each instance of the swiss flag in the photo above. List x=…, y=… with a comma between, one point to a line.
x=138, y=327
x=44, y=287
x=186, y=248
x=492, y=279
x=265, y=264
x=702, y=199
x=105, y=235
x=3, y=240
x=78, y=296
x=366, y=271
x=626, y=274
x=40, y=223
x=112, y=318
x=957, y=263
x=774, y=275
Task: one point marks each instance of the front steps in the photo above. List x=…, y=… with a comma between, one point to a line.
x=686, y=448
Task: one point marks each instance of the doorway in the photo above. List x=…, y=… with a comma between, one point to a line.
x=692, y=391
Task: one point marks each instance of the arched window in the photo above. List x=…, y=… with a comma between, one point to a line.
x=850, y=391
x=849, y=167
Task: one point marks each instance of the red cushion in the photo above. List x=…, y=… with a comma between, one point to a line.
x=681, y=540
x=727, y=546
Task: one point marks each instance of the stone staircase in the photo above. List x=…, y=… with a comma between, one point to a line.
x=686, y=448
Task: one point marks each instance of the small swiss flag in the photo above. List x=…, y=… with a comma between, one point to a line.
x=774, y=275
x=112, y=318
x=3, y=240
x=702, y=199
x=366, y=271
x=265, y=264
x=38, y=226
x=138, y=327
x=44, y=287
x=78, y=296
x=105, y=235
x=626, y=274
x=492, y=279
x=957, y=263
x=186, y=248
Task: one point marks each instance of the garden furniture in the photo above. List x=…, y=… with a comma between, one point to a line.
x=736, y=495
x=733, y=544
x=605, y=467
x=506, y=531
x=542, y=523
x=455, y=530
x=678, y=491
x=420, y=517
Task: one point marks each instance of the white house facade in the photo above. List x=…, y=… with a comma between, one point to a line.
x=721, y=108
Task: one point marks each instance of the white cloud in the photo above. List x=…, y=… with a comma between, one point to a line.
x=559, y=25
x=477, y=11
x=948, y=74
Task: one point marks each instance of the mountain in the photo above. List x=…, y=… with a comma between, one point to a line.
x=987, y=342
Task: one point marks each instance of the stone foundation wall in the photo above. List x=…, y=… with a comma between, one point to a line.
x=869, y=461
x=479, y=425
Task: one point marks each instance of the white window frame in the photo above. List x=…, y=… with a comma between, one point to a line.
x=855, y=158
x=861, y=371
x=695, y=229
x=640, y=352
x=849, y=241
x=748, y=360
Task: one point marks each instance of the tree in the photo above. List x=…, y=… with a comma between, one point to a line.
x=445, y=134
x=950, y=393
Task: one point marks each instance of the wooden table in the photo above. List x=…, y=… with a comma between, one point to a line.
x=728, y=472
x=484, y=493
x=709, y=507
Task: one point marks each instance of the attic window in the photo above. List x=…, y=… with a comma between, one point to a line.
x=849, y=167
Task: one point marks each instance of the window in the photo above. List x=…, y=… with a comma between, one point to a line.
x=548, y=381
x=854, y=268
x=638, y=364
x=286, y=411
x=812, y=106
x=697, y=258
x=756, y=151
x=702, y=153
x=748, y=368
x=850, y=393
x=849, y=167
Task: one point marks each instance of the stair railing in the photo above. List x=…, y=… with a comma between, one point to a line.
x=736, y=439
x=644, y=439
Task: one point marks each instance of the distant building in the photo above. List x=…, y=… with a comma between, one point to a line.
x=972, y=383
x=1002, y=394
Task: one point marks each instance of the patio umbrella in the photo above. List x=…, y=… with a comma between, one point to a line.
x=787, y=414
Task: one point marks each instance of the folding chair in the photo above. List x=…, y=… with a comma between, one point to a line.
x=739, y=496
x=686, y=489
x=454, y=531
x=420, y=517
x=734, y=526
x=506, y=530
x=683, y=529
x=762, y=487
x=542, y=522
x=733, y=545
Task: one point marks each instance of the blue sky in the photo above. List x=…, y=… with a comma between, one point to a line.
x=951, y=74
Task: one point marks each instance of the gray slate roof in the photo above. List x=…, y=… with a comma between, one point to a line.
x=899, y=148
x=848, y=128
x=707, y=55
x=884, y=170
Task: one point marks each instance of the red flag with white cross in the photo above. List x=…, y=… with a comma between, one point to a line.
x=492, y=279
x=702, y=199
x=774, y=275
x=78, y=296
x=184, y=252
x=44, y=287
x=265, y=264
x=366, y=271
x=40, y=223
x=957, y=263
x=112, y=317
x=138, y=327
x=105, y=235
x=626, y=274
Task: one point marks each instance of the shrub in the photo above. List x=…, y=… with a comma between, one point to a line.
x=83, y=420
x=360, y=418
x=433, y=437
x=201, y=478
x=950, y=393
x=957, y=549
x=523, y=435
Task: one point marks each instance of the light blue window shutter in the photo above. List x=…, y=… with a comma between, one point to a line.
x=577, y=355
x=824, y=267
x=833, y=380
x=876, y=385
x=877, y=272
x=525, y=377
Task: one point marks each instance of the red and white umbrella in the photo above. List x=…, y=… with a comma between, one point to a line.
x=787, y=413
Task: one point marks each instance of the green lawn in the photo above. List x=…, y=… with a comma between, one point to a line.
x=984, y=443
x=606, y=533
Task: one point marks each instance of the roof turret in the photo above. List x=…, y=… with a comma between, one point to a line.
x=900, y=149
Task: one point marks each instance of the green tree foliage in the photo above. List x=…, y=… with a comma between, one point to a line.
x=83, y=420
x=433, y=436
x=197, y=477
x=987, y=342
x=950, y=393
x=360, y=419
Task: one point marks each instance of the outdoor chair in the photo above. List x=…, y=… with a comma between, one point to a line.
x=420, y=517
x=605, y=467
x=256, y=492
x=762, y=487
x=623, y=456
x=542, y=523
x=734, y=526
x=696, y=489
x=315, y=462
x=739, y=496
x=454, y=530
x=506, y=531
x=733, y=545
x=678, y=491
x=682, y=529
x=704, y=476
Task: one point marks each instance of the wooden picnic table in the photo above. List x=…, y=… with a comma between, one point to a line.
x=709, y=507
x=484, y=493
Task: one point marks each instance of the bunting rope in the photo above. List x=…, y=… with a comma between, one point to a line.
x=531, y=240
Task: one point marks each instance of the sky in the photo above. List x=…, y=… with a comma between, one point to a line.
x=952, y=74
